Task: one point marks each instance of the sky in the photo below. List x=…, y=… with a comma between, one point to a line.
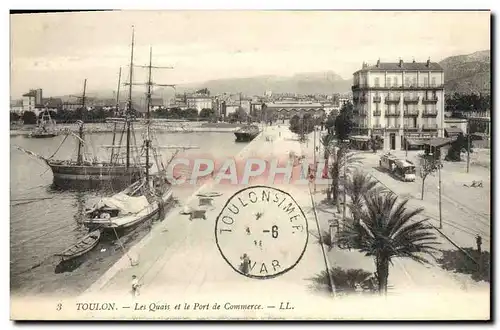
x=57, y=51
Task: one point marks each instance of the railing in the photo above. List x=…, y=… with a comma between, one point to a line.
x=430, y=99
x=399, y=87
x=377, y=126
x=363, y=99
x=411, y=127
x=410, y=113
x=377, y=113
x=377, y=99
x=395, y=126
x=429, y=113
x=411, y=99
x=393, y=113
x=362, y=112
x=393, y=99
x=428, y=127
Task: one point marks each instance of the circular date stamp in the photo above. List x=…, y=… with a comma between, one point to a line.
x=261, y=232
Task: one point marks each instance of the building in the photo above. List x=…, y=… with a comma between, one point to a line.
x=199, y=102
x=285, y=111
x=399, y=102
x=29, y=101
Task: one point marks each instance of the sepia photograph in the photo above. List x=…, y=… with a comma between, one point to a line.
x=250, y=165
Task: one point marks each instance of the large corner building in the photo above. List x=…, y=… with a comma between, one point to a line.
x=399, y=102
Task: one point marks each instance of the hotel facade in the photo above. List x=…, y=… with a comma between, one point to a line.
x=400, y=102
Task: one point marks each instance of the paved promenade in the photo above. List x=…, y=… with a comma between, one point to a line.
x=180, y=260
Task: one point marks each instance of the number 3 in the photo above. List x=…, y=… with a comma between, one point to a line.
x=59, y=307
x=274, y=231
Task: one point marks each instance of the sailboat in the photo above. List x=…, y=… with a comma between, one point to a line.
x=88, y=173
x=117, y=172
x=143, y=199
x=45, y=128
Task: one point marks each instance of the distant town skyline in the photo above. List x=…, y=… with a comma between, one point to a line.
x=57, y=51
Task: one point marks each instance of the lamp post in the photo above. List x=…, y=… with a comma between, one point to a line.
x=468, y=145
x=439, y=188
x=314, y=158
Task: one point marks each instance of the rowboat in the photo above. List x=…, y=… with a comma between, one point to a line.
x=81, y=247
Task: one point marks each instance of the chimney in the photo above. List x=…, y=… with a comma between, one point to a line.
x=378, y=63
x=414, y=60
x=365, y=65
x=400, y=62
x=429, y=62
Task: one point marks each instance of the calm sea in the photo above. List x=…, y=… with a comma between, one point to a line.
x=51, y=222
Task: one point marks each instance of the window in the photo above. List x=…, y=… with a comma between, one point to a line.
x=433, y=81
x=377, y=81
x=426, y=81
x=388, y=83
x=396, y=81
x=414, y=81
x=407, y=81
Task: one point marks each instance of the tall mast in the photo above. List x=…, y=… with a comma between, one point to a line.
x=129, y=110
x=80, y=130
x=117, y=109
x=148, y=106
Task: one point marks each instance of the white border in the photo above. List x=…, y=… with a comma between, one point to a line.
x=183, y=4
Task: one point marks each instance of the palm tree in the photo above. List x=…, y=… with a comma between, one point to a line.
x=342, y=158
x=345, y=280
x=389, y=230
x=357, y=185
x=328, y=143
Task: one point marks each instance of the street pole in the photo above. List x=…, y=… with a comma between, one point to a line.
x=440, y=215
x=344, y=208
x=314, y=159
x=468, y=145
x=406, y=142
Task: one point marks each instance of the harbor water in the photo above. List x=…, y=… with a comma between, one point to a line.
x=44, y=221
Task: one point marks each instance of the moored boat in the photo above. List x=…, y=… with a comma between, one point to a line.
x=140, y=202
x=247, y=133
x=45, y=127
x=83, y=246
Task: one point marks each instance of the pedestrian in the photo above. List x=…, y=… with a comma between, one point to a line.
x=245, y=264
x=135, y=286
x=479, y=242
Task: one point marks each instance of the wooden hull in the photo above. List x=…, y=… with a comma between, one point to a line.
x=42, y=136
x=93, y=176
x=245, y=137
x=129, y=220
x=80, y=248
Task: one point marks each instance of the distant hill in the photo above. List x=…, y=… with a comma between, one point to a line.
x=303, y=83
x=467, y=73
x=463, y=74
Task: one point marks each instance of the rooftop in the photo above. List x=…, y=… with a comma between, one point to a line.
x=402, y=66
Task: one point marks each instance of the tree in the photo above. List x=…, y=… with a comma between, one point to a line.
x=14, y=116
x=29, y=117
x=389, y=230
x=428, y=164
x=357, y=185
x=341, y=158
x=206, y=113
x=189, y=114
x=302, y=126
x=375, y=143
x=457, y=147
x=241, y=115
x=328, y=142
x=344, y=122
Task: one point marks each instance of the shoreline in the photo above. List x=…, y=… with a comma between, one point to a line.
x=134, y=250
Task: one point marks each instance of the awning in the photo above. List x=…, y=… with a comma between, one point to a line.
x=360, y=138
x=453, y=131
x=414, y=142
x=438, y=142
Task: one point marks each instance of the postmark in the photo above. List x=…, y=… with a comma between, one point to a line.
x=261, y=232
